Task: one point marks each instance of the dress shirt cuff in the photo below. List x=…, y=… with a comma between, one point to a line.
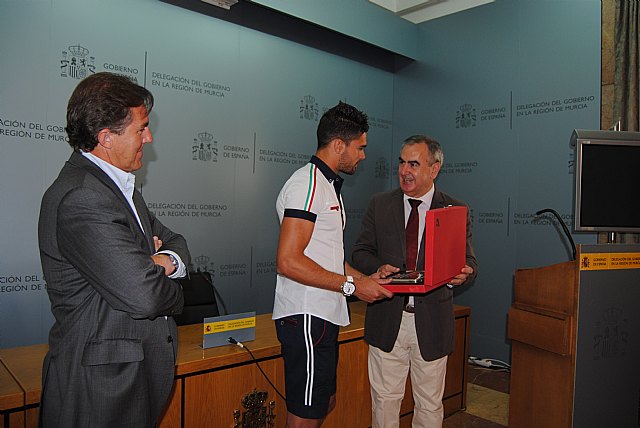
x=181, y=270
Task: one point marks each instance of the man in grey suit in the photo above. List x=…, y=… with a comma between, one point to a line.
x=107, y=262
x=408, y=332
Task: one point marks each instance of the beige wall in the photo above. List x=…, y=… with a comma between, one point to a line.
x=606, y=107
x=608, y=68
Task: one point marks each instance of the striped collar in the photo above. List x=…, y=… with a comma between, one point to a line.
x=328, y=173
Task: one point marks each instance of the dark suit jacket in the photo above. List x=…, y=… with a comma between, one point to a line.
x=382, y=241
x=111, y=356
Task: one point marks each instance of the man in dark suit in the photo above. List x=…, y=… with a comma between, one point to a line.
x=408, y=332
x=107, y=262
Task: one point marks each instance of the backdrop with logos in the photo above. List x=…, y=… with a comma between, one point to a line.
x=503, y=97
x=236, y=113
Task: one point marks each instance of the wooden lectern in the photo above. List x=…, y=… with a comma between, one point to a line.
x=575, y=331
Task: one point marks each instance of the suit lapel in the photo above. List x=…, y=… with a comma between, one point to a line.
x=437, y=201
x=397, y=216
x=141, y=208
x=80, y=161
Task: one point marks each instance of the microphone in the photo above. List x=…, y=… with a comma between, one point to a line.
x=564, y=227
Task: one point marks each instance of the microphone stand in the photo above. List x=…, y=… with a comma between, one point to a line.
x=564, y=227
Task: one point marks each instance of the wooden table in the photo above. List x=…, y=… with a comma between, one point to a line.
x=210, y=383
x=25, y=366
x=11, y=399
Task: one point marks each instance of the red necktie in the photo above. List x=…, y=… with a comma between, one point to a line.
x=411, y=233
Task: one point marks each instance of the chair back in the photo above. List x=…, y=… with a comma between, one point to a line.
x=199, y=299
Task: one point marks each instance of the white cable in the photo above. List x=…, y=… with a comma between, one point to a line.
x=489, y=363
x=235, y=342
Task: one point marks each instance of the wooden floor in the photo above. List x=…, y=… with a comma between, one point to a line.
x=487, y=400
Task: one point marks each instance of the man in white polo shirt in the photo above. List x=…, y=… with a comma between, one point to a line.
x=313, y=277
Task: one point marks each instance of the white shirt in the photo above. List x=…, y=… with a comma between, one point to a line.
x=310, y=194
x=422, y=211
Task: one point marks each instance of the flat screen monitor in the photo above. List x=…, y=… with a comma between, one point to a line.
x=607, y=181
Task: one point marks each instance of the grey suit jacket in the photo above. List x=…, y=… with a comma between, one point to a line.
x=382, y=241
x=112, y=347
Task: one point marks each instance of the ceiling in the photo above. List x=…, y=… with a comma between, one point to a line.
x=418, y=11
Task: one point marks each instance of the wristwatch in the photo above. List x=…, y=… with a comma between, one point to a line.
x=174, y=261
x=348, y=288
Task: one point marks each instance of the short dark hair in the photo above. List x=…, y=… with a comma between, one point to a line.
x=102, y=100
x=437, y=155
x=342, y=121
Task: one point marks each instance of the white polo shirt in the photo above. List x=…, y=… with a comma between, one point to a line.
x=310, y=194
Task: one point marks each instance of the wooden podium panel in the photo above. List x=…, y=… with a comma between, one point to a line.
x=548, y=289
x=575, y=331
x=550, y=333
x=537, y=369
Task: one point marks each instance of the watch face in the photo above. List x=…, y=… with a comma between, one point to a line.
x=348, y=288
x=174, y=261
